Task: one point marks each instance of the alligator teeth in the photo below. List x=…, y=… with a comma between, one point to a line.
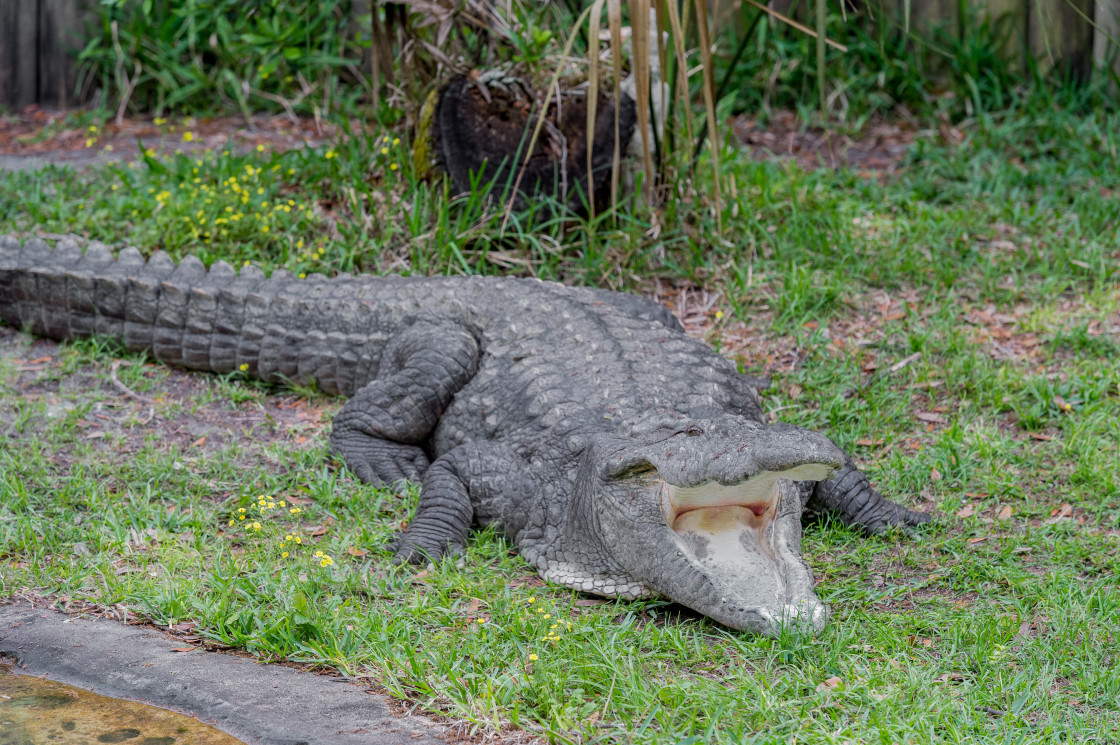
x=751, y=500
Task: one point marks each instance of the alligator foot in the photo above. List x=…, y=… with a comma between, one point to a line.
x=412, y=549
x=381, y=462
x=851, y=497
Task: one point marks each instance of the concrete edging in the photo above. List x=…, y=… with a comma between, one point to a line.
x=258, y=703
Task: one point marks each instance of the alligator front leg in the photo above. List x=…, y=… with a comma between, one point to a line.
x=851, y=497
x=378, y=432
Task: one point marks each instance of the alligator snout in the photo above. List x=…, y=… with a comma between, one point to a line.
x=710, y=517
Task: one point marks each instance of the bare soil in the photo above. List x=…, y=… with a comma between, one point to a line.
x=35, y=137
x=879, y=148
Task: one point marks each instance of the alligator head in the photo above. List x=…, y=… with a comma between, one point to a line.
x=708, y=514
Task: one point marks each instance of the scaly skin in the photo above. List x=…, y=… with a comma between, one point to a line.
x=621, y=456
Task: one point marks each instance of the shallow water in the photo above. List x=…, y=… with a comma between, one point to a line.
x=34, y=711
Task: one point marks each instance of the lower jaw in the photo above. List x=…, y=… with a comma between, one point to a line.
x=738, y=554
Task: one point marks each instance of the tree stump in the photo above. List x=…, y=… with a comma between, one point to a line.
x=480, y=132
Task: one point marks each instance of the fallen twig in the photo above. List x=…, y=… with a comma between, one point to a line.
x=128, y=391
x=121, y=386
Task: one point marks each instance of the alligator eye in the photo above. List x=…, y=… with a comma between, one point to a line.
x=693, y=431
x=637, y=471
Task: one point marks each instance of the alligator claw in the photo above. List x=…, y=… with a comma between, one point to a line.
x=905, y=521
x=407, y=550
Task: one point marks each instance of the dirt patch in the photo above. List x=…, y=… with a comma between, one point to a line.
x=35, y=138
x=184, y=413
x=880, y=147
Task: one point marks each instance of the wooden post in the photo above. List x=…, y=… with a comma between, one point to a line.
x=1059, y=35
x=39, y=44
x=19, y=41
x=926, y=15
x=62, y=26
x=1106, y=39
x=1016, y=47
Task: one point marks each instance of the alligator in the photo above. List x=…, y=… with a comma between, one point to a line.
x=622, y=457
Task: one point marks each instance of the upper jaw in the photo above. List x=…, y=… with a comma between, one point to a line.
x=753, y=499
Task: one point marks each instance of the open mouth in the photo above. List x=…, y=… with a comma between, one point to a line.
x=733, y=535
x=713, y=507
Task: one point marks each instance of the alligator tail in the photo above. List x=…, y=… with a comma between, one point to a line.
x=186, y=315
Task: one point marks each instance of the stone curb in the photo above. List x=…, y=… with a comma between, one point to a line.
x=258, y=703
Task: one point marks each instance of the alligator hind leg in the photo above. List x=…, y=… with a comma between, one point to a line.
x=851, y=497
x=378, y=432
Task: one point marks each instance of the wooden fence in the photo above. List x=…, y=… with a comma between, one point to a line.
x=39, y=39
x=1070, y=34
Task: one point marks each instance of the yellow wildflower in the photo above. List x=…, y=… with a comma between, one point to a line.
x=533, y=658
x=188, y=137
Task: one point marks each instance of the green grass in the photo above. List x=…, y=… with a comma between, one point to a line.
x=996, y=259
x=225, y=55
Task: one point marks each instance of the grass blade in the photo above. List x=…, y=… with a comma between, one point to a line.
x=820, y=19
x=710, y=104
x=640, y=69
x=614, y=22
x=593, y=23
